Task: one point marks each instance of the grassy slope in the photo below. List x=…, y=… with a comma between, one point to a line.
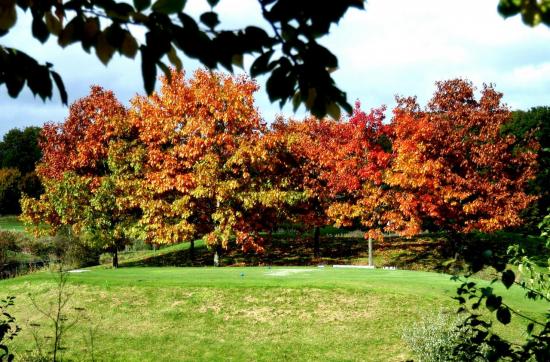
x=424, y=253
x=217, y=314
x=175, y=314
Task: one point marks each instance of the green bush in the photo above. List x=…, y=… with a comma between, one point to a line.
x=73, y=250
x=9, y=191
x=8, y=328
x=435, y=336
x=10, y=243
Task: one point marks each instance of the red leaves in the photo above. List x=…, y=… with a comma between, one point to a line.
x=196, y=160
x=340, y=165
x=80, y=143
x=452, y=160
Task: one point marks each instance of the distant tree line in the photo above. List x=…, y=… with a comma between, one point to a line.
x=19, y=154
x=535, y=122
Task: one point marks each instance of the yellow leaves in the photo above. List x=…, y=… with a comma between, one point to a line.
x=226, y=189
x=200, y=135
x=277, y=199
x=183, y=207
x=342, y=213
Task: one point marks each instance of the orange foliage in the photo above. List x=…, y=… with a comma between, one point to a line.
x=196, y=160
x=80, y=143
x=340, y=165
x=200, y=137
x=453, y=168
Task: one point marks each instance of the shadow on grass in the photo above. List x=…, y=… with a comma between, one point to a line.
x=426, y=252
x=295, y=251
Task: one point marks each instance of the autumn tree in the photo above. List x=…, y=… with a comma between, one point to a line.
x=80, y=170
x=337, y=163
x=113, y=209
x=299, y=142
x=354, y=157
x=453, y=169
x=205, y=174
x=357, y=159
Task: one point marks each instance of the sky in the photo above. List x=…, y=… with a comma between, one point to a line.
x=394, y=47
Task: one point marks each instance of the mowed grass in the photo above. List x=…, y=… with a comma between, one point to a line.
x=242, y=314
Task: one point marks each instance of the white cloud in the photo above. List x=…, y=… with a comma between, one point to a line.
x=531, y=75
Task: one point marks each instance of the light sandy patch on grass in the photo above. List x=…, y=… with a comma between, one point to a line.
x=214, y=307
x=287, y=272
x=177, y=303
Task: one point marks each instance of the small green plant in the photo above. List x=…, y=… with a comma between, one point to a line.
x=435, y=336
x=8, y=328
x=534, y=283
x=57, y=318
x=8, y=246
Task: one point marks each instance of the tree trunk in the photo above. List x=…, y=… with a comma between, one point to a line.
x=454, y=245
x=115, y=258
x=216, y=258
x=316, y=237
x=192, y=250
x=371, y=263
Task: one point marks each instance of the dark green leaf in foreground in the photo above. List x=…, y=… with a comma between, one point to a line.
x=141, y=5
x=169, y=6
x=493, y=302
x=503, y=315
x=508, y=278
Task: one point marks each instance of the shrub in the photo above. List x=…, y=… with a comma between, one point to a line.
x=73, y=250
x=9, y=191
x=435, y=336
x=10, y=242
x=40, y=248
x=8, y=328
x=533, y=280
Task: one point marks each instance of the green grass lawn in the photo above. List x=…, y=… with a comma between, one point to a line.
x=11, y=223
x=254, y=313
x=148, y=310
